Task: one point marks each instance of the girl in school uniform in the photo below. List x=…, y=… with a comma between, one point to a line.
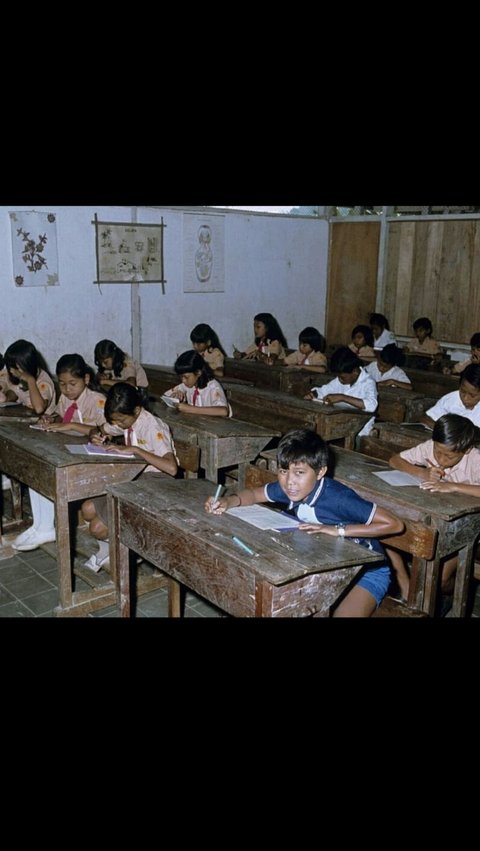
x=386, y=370
x=114, y=366
x=448, y=463
x=362, y=342
x=79, y=409
x=199, y=393
x=28, y=382
x=423, y=343
x=382, y=335
x=147, y=437
x=269, y=344
x=465, y=401
x=310, y=353
x=352, y=385
x=205, y=341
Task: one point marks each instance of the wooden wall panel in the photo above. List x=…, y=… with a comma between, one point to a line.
x=352, y=281
x=433, y=269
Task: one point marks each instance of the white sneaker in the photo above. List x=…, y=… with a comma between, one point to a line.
x=35, y=540
x=6, y=483
x=92, y=564
x=23, y=537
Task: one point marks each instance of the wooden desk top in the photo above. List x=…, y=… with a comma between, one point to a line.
x=356, y=471
x=282, y=556
x=403, y=435
x=212, y=426
x=18, y=413
x=50, y=446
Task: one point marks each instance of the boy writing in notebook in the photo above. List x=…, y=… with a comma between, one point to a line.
x=325, y=507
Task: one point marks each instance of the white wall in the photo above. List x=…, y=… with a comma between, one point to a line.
x=272, y=264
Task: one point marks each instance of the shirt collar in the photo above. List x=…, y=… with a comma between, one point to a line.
x=312, y=496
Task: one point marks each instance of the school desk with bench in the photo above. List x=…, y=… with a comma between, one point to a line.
x=270, y=574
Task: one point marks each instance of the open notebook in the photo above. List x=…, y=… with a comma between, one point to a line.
x=92, y=449
x=170, y=401
x=264, y=518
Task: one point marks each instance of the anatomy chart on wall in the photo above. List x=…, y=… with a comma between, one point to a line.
x=34, y=249
x=203, y=253
x=129, y=253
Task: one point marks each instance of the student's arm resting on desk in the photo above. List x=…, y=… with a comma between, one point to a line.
x=451, y=487
x=212, y=411
x=394, y=382
x=383, y=524
x=248, y=496
x=431, y=472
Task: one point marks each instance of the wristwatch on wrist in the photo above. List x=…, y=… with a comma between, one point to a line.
x=340, y=530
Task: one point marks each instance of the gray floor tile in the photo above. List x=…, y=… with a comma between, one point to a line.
x=24, y=588
x=5, y=596
x=40, y=604
x=15, y=610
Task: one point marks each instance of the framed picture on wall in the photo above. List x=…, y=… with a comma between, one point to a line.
x=129, y=253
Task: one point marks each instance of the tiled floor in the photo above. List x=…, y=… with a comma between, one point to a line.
x=29, y=589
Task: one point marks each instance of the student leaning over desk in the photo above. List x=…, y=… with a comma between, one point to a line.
x=78, y=409
x=325, y=507
x=448, y=463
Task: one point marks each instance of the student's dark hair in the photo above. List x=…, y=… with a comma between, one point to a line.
x=274, y=332
x=423, y=322
x=456, y=432
x=302, y=446
x=78, y=367
x=109, y=349
x=313, y=338
x=202, y=333
x=475, y=341
x=391, y=354
x=122, y=398
x=379, y=319
x=366, y=331
x=344, y=360
x=2, y=361
x=471, y=373
x=23, y=354
x=191, y=361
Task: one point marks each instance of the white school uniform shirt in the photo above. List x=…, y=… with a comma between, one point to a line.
x=395, y=373
x=211, y=396
x=90, y=408
x=152, y=434
x=467, y=471
x=299, y=359
x=385, y=338
x=130, y=369
x=452, y=404
x=46, y=388
x=364, y=388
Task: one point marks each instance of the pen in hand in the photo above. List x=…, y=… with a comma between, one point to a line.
x=217, y=496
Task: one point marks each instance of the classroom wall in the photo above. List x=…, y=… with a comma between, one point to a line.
x=273, y=264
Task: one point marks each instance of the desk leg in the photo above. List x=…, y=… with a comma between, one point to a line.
x=119, y=558
x=174, y=598
x=462, y=580
x=62, y=531
x=432, y=572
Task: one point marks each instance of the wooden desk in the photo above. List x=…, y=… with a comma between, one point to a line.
x=293, y=575
x=285, y=412
x=402, y=436
x=18, y=414
x=162, y=378
x=440, y=522
x=40, y=460
x=223, y=441
x=432, y=383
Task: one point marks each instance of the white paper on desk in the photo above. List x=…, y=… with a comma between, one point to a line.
x=397, y=478
x=171, y=401
x=91, y=449
x=263, y=518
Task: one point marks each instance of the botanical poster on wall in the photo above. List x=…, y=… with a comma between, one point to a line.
x=34, y=249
